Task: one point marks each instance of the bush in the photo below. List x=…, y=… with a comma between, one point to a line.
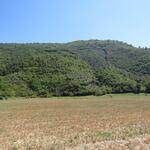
x=103, y=90
x=3, y=97
x=147, y=88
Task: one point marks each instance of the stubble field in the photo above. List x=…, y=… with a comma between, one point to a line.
x=108, y=122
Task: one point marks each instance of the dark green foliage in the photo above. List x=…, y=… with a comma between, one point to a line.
x=3, y=97
x=78, y=68
x=148, y=88
x=138, y=88
x=120, y=83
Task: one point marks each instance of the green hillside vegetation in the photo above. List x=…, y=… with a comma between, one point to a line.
x=73, y=69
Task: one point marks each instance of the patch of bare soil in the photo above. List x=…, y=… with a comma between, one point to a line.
x=141, y=143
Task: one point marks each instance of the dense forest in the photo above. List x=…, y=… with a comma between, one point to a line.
x=73, y=69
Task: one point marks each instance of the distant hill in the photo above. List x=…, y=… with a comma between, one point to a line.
x=77, y=68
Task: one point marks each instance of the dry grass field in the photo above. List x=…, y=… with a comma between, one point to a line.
x=103, y=123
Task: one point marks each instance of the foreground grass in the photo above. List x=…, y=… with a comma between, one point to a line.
x=55, y=123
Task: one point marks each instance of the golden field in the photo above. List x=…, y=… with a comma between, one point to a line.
x=108, y=122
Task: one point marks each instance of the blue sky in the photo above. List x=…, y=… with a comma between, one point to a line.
x=68, y=20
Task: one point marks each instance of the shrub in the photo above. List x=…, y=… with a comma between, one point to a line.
x=147, y=88
x=3, y=97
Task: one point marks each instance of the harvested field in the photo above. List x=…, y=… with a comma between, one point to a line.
x=107, y=122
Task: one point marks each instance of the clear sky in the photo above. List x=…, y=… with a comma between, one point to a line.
x=68, y=20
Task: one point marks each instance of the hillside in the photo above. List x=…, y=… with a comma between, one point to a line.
x=77, y=68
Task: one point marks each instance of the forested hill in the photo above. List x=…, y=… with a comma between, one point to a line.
x=77, y=68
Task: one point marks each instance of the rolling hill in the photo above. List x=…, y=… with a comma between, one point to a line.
x=90, y=67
